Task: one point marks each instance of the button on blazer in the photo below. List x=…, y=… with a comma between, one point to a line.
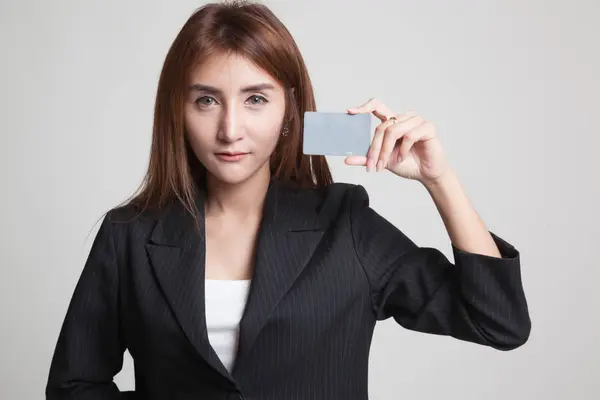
x=327, y=268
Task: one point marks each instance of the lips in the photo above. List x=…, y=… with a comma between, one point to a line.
x=231, y=153
x=231, y=156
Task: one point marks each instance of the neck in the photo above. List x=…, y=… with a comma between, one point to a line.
x=243, y=199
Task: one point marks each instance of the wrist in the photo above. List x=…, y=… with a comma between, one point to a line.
x=443, y=181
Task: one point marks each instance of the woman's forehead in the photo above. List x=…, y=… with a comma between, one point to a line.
x=230, y=70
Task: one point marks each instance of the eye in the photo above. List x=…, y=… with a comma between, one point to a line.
x=205, y=101
x=257, y=100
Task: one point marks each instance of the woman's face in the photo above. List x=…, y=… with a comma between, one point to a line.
x=233, y=116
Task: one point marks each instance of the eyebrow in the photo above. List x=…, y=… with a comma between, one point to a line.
x=246, y=89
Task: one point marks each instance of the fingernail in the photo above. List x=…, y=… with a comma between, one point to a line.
x=379, y=165
x=369, y=165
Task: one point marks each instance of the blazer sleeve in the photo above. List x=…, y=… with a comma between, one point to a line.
x=89, y=351
x=478, y=299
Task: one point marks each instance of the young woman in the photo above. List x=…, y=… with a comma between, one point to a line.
x=240, y=270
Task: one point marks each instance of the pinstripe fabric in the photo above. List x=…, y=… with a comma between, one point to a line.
x=327, y=268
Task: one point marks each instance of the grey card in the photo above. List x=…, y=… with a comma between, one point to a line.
x=336, y=134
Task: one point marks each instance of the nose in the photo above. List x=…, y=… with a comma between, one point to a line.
x=230, y=129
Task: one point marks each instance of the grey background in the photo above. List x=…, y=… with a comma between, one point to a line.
x=512, y=86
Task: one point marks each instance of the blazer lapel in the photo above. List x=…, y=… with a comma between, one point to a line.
x=177, y=250
x=290, y=231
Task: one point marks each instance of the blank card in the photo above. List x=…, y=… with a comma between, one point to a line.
x=336, y=134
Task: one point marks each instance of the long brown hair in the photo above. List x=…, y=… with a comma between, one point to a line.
x=254, y=32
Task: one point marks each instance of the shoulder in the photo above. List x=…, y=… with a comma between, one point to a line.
x=334, y=199
x=128, y=213
x=127, y=219
x=340, y=194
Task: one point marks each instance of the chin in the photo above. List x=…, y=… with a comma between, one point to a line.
x=231, y=176
x=236, y=173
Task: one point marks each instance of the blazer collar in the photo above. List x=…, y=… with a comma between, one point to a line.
x=291, y=227
x=285, y=209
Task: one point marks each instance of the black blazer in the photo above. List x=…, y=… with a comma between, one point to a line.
x=327, y=268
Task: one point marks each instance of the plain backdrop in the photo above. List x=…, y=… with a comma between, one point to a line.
x=512, y=86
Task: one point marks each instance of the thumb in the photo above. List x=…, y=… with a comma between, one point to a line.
x=356, y=160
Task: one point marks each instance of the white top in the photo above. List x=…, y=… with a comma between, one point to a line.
x=225, y=303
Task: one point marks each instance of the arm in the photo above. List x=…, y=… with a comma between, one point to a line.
x=465, y=228
x=480, y=299
x=89, y=352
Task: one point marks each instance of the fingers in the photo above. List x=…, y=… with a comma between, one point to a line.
x=374, y=107
x=399, y=133
x=356, y=160
x=421, y=133
x=376, y=143
x=386, y=136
